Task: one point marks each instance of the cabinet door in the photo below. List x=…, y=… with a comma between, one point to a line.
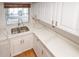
x=21, y=43
x=43, y=51
x=37, y=47
x=16, y=46
x=4, y=49
x=40, y=50
x=27, y=42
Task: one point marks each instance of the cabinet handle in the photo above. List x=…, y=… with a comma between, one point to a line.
x=21, y=41
x=42, y=51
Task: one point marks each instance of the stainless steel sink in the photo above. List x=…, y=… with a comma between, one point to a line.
x=19, y=29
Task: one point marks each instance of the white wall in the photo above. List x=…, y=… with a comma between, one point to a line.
x=44, y=11
x=77, y=25
x=77, y=22
x=66, y=14
x=2, y=17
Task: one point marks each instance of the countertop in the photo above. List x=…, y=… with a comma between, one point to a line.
x=58, y=45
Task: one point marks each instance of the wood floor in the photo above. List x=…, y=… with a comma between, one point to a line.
x=29, y=53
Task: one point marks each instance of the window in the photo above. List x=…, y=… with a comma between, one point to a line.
x=17, y=15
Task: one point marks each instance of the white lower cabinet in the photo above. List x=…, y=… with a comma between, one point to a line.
x=16, y=46
x=37, y=48
x=40, y=49
x=4, y=48
x=26, y=42
x=21, y=43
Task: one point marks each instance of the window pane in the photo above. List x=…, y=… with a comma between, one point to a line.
x=13, y=11
x=15, y=14
x=12, y=21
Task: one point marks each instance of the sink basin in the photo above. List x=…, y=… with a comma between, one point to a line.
x=19, y=29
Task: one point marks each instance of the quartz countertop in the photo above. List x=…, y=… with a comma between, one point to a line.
x=58, y=45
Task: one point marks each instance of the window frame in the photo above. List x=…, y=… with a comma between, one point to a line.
x=6, y=10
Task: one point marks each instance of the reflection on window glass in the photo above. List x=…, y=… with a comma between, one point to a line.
x=17, y=14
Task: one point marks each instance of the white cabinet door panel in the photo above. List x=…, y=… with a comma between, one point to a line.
x=21, y=43
x=37, y=48
x=4, y=49
x=40, y=49
x=16, y=46
x=27, y=41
